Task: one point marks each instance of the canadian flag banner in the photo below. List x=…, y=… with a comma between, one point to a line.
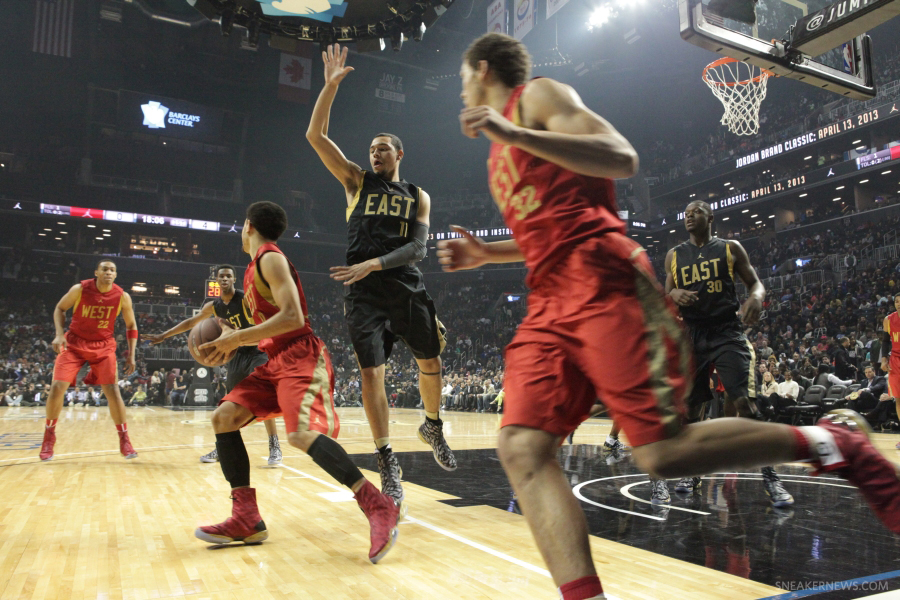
x=295, y=75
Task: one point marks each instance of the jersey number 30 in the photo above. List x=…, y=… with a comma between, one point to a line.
x=714, y=286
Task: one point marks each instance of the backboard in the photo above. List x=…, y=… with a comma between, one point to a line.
x=819, y=42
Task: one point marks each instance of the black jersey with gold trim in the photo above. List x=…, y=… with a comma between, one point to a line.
x=380, y=217
x=234, y=311
x=709, y=271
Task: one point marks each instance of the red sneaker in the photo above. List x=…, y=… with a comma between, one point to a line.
x=244, y=524
x=49, y=441
x=854, y=458
x=125, y=445
x=383, y=514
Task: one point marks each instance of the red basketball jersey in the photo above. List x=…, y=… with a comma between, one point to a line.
x=894, y=331
x=549, y=209
x=94, y=314
x=262, y=304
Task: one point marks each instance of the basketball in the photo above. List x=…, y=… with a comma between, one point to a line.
x=205, y=331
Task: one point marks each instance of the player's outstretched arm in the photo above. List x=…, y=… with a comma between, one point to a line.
x=186, y=325
x=348, y=173
x=559, y=128
x=753, y=305
x=59, y=316
x=470, y=252
x=289, y=317
x=131, y=332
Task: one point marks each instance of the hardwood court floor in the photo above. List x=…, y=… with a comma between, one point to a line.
x=89, y=524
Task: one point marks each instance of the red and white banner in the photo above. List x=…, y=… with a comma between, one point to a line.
x=496, y=17
x=524, y=17
x=295, y=75
x=53, y=27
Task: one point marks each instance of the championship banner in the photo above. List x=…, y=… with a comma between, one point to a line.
x=555, y=5
x=524, y=17
x=496, y=17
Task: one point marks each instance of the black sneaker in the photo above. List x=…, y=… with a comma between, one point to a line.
x=775, y=490
x=660, y=494
x=391, y=473
x=432, y=433
x=687, y=485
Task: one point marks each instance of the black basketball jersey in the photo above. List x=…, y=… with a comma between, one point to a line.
x=380, y=217
x=709, y=271
x=234, y=312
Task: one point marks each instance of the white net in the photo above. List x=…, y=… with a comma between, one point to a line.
x=741, y=88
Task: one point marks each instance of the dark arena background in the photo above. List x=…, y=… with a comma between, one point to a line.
x=140, y=130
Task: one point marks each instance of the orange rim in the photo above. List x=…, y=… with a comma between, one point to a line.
x=726, y=60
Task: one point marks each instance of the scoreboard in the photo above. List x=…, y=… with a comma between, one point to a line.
x=212, y=289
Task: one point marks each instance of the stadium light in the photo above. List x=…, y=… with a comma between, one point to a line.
x=726, y=218
x=746, y=210
x=840, y=187
x=807, y=158
x=856, y=141
x=600, y=16
x=883, y=173
x=803, y=195
x=864, y=181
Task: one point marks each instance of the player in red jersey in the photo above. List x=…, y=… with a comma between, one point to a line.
x=95, y=304
x=297, y=382
x=598, y=322
x=890, y=354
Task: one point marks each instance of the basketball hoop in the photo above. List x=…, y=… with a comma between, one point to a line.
x=741, y=88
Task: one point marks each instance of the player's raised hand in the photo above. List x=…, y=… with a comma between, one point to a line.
x=486, y=120
x=59, y=344
x=154, y=338
x=335, y=59
x=467, y=252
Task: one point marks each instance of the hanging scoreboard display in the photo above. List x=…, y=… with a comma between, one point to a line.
x=212, y=289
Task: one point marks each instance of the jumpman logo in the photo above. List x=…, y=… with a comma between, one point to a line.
x=830, y=173
x=88, y=214
x=18, y=206
x=700, y=255
x=894, y=109
x=232, y=230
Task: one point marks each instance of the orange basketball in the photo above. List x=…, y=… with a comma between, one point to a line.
x=205, y=331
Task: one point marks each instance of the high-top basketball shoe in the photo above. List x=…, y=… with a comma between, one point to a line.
x=49, y=442
x=125, y=445
x=383, y=514
x=852, y=456
x=244, y=524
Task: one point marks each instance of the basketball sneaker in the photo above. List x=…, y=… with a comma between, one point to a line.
x=49, y=442
x=274, y=453
x=687, y=485
x=852, y=456
x=615, y=446
x=244, y=524
x=432, y=433
x=660, y=493
x=211, y=457
x=775, y=490
x=383, y=515
x=125, y=445
x=391, y=473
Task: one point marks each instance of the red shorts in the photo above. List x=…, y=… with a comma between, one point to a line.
x=894, y=378
x=298, y=383
x=100, y=355
x=599, y=326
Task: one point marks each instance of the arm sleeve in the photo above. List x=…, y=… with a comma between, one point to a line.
x=411, y=252
x=886, y=345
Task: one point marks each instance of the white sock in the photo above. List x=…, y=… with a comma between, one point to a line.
x=822, y=447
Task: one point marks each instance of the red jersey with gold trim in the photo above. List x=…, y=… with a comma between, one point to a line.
x=94, y=314
x=262, y=304
x=549, y=209
x=893, y=330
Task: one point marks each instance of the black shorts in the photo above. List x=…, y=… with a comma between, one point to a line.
x=389, y=305
x=726, y=348
x=244, y=362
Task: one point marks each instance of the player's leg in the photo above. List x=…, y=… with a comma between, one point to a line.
x=117, y=412
x=546, y=398
x=306, y=398
x=274, y=446
x=245, y=523
x=54, y=407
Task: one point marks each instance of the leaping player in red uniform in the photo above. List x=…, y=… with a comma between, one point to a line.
x=95, y=304
x=297, y=382
x=598, y=322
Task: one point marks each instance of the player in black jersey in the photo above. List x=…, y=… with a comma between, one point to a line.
x=385, y=298
x=700, y=278
x=230, y=306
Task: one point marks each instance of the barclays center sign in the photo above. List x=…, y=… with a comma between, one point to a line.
x=169, y=117
x=156, y=116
